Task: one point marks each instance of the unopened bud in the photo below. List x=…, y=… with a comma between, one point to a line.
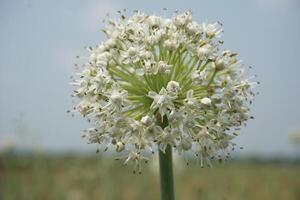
x=205, y=101
x=220, y=64
x=120, y=146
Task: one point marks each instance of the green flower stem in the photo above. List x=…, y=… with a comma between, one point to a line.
x=166, y=169
x=166, y=174
x=212, y=77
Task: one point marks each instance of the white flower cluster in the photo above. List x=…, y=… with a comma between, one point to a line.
x=159, y=81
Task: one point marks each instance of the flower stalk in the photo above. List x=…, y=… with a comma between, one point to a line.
x=165, y=167
x=166, y=174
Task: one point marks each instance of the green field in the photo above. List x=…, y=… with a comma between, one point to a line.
x=89, y=178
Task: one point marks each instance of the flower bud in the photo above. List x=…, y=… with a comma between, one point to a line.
x=173, y=87
x=120, y=146
x=146, y=120
x=219, y=64
x=204, y=51
x=110, y=43
x=206, y=101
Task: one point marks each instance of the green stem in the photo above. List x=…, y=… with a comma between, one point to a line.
x=166, y=168
x=166, y=174
x=212, y=77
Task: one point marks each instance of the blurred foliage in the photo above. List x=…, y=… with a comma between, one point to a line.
x=295, y=137
x=35, y=177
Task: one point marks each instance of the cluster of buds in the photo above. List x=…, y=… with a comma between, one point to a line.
x=152, y=71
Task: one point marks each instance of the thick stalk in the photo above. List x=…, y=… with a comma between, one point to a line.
x=166, y=169
x=166, y=174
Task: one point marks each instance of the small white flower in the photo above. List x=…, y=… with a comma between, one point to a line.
x=183, y=19
x=163, y=101
x=146, y=120
x=117, y=98
x=163, y=67
x=205, y=51
x=132, y=55
x=146, y=55
x=211, y=30
x=171, y=44
x=102, y=59
x=150, y=67
x=190, y=100
x=206, y=101
x=173, y=88
x=110, y=43
x=156, y=36
x=167, y=137
x=154, y=21
x=199, y=76
x=193, y=28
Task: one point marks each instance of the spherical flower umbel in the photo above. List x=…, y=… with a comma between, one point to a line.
x=157, y=81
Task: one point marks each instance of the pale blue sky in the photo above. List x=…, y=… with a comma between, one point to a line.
x=40, y=39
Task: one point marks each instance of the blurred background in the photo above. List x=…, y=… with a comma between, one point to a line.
x=42, y=155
